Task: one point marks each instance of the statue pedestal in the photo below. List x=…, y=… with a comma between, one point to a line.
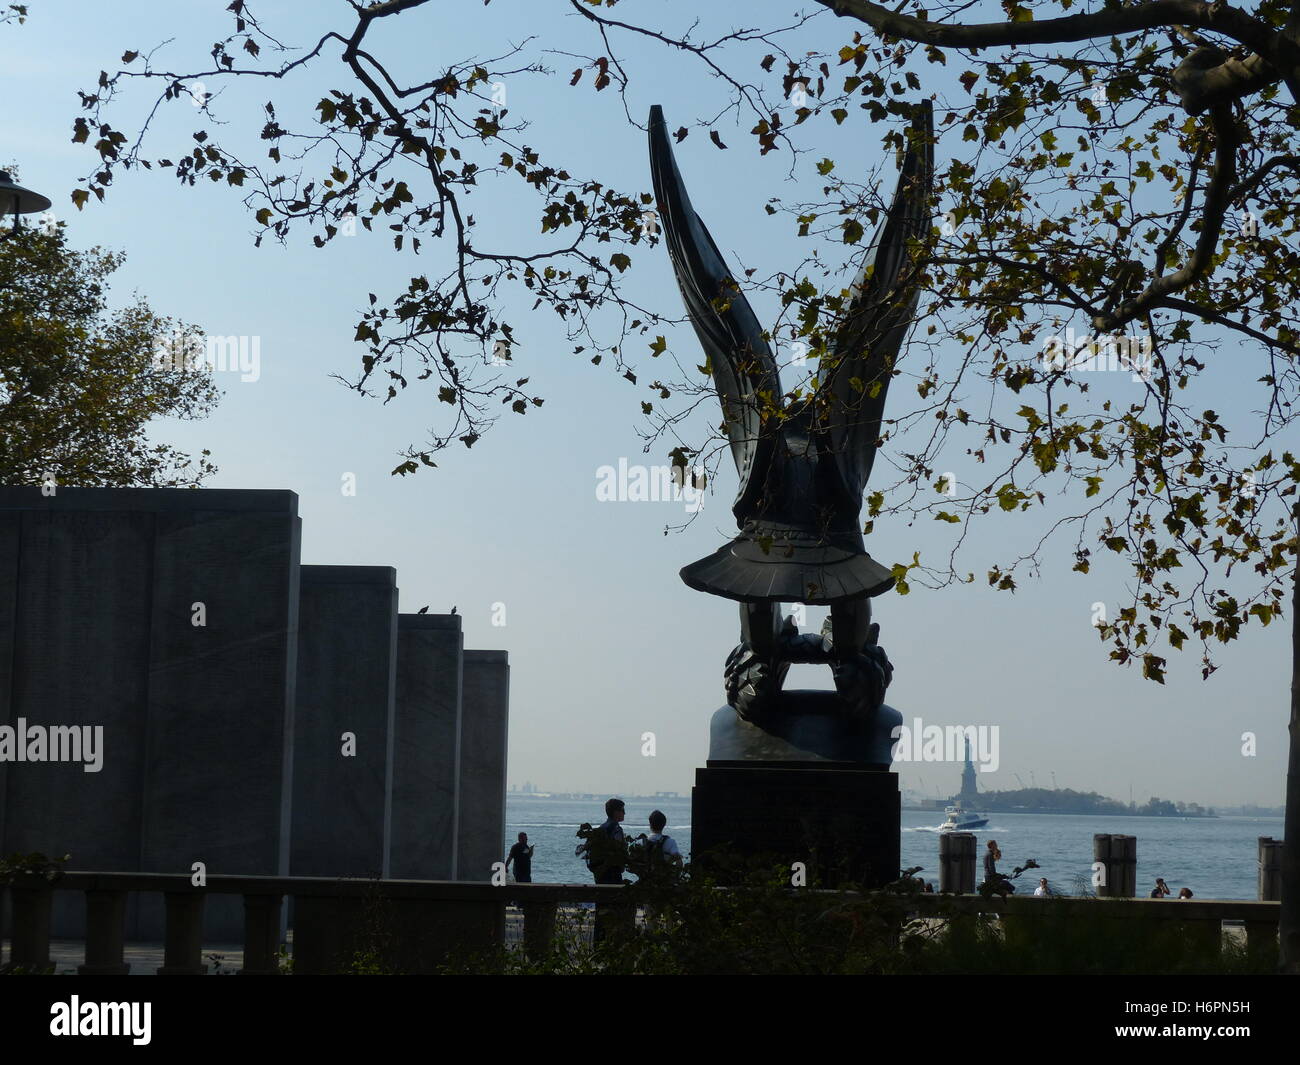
x=840, y=819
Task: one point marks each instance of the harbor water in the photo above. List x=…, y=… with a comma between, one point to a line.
x=1215, y=857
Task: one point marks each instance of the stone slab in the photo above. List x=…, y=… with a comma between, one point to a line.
x=97, y=626
x=426, y=747
x=484, y=736
x=346, y=685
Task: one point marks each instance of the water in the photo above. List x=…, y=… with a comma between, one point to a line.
x=1216, y=858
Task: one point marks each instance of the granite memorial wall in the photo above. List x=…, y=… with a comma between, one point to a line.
x=175, y=688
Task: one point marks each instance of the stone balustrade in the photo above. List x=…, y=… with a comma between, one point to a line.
x=414, y=926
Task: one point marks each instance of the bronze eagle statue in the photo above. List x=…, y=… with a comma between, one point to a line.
x=803, y=468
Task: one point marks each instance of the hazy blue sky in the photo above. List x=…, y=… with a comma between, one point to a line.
x=605, y=641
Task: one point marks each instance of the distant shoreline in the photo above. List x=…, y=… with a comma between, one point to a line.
x=600, y=797
x=596, y=796
x=1109, y=813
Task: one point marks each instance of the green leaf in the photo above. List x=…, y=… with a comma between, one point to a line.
x=1153, y=668
x=899, y=572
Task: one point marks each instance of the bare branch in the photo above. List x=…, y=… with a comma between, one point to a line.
x=1217, y=202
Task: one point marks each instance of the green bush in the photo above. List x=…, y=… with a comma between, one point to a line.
x=761, y=925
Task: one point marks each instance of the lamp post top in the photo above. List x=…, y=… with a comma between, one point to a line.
x=18, y=200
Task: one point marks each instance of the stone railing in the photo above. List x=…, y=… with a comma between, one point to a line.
x=413, y=926
x=1203, y=918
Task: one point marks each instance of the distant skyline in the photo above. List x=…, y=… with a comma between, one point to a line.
x=1140, y=800
x=606, y=644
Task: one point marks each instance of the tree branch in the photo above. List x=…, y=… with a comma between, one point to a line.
x=1217, y=201
x=1200, y=84
x=1218, y=17
x=1208, y=77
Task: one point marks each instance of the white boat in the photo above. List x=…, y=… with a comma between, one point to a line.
x=959, y=819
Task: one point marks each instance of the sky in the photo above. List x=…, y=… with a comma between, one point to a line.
x=606, y=643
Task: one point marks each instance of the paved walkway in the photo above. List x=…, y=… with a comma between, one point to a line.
x=145, y=959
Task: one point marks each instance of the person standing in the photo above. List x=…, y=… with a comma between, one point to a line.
x=522, y=855
x=661, y=868
x=1042, y=888
x=1161, y=889
x=606, y=857
x=604, y=850
x=661, y=850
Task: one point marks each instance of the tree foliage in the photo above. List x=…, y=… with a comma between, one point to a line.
x=407, y=157
x=79, y=384
x=1120, y=183
x=1128, y=170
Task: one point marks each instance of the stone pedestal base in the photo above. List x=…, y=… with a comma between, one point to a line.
x=840, y=819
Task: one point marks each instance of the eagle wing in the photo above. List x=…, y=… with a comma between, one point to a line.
x=740, y=359
x=851, y=397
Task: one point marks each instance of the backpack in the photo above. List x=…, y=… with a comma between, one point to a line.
x=656, y=863
x=654, y=851
x=599, y=849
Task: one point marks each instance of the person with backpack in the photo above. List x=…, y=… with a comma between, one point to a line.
x=658, y=863
x=662, y=851
x=606, y=856
x=603, y=849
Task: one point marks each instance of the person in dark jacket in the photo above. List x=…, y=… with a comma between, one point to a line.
x=1001, y=885
x=604, y=850
x=606, y=857
x=522, y=855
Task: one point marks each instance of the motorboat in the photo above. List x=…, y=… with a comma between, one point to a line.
x=960, y=819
